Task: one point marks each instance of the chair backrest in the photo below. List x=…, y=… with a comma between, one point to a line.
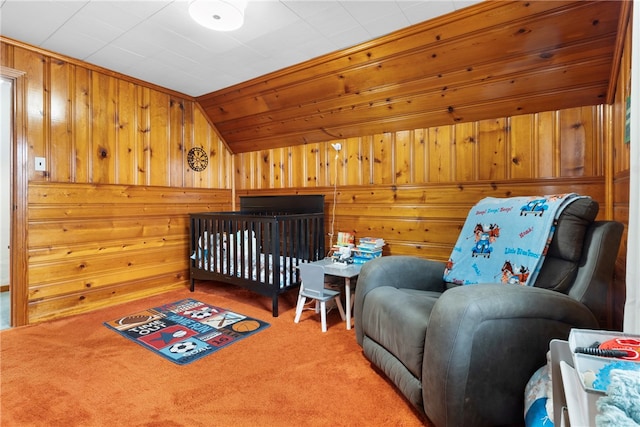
x=581, y=257
x=312, y=279
x=563, y=257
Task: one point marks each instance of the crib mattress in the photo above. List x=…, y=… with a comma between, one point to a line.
x=258, y=269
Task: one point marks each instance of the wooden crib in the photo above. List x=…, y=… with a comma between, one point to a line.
x=260, y=246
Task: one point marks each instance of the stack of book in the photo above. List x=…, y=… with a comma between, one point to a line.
x=368, y=248
x=345, y=239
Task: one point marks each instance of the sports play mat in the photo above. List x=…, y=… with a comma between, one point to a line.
x=186, y=330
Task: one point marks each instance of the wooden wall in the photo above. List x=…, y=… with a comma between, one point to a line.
x=108, y=220
x=411, y=187
x=94, y=126
x=549, y=145
x=414, y=188
x=95, y=245
x=620, y=171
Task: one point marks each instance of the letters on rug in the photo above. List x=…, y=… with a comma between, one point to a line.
x=505, y=239
x=186, y=330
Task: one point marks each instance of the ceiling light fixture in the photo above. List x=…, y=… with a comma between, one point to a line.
x=219, y=15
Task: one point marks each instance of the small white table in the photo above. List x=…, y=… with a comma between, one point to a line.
x=348, y=272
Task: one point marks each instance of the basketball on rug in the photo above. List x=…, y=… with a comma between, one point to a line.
x=186, y=330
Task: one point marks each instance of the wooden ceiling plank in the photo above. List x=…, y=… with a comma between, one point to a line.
x=429, y=98
x=535, y=30
x=475, y=19
x=510, y=107
x=493, y=52
x=452, y=81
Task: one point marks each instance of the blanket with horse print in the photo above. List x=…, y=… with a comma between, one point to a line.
x=505, y=239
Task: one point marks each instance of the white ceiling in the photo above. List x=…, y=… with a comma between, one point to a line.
x=156, y=41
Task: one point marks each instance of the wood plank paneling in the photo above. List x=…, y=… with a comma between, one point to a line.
x=60, y=121
x=82, y=166
x=107, y=221
x=126, y=133
x=521, y=160
x=491, y=154
x=403, y=157
x=424, y=220
x=143, y=139
x=566, y=143
x=158, y=151
x=87, y=238
x=93, y=127
x=92, y=299
x=103, y=122
x=464, y=149
x=35, y=67
x=440, y=154
x=176, y=143
x=418, y=207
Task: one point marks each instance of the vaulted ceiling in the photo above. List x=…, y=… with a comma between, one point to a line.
x=156, y=41
x=489, y=60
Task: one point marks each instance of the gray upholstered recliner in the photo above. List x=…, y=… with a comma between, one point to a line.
x=462, y=355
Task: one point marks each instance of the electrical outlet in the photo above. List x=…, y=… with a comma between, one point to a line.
x=41, y=164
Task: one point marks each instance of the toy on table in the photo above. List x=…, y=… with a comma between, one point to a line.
x=342, y=250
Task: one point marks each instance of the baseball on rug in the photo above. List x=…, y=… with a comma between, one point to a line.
x=186, y=330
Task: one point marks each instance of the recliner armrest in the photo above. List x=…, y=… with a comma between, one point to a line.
x=483, y=344
x=397, y=271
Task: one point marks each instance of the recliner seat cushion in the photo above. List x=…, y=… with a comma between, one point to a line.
x=399, y=327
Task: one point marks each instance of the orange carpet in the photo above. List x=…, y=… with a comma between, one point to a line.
x=77, y=372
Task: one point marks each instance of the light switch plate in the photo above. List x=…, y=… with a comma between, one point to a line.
x=41, y=164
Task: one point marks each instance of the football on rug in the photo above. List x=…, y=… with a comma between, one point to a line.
x=186, y=330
